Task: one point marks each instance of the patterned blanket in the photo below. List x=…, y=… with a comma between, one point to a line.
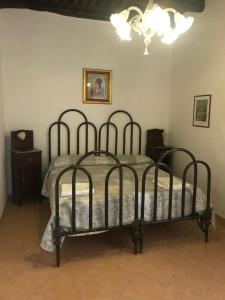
x=98, y=168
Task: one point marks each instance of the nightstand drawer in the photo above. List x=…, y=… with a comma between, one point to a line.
x=26, y=174
x=26, y=160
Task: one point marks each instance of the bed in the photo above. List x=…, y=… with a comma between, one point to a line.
x=103, y=189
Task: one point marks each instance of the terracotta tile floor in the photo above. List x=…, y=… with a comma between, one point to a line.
x=176, y=264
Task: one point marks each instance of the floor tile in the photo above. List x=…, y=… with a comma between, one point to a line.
x=175, y=264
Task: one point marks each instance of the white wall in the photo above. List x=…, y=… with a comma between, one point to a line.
x=42, y=59
x=198, y=68
x=2, y=150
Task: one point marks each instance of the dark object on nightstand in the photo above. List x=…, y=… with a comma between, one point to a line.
x=26, y=174
x=22, y=140
x=155, y=146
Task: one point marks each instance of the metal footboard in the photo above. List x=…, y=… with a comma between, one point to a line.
x=59, y=232
x=139, y=222
x=203, y=218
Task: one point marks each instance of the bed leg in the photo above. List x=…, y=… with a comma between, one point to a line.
x=57, y=236
x=141, y=237
x=135, y=235
x=57, y=255
x=204, y=221
x=206, y=233
x=207, y=221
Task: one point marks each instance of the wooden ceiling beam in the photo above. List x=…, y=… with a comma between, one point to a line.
x=183, y=5
x=98, y=9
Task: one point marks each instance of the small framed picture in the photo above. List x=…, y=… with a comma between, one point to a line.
x=97, y=86
x=201, y=111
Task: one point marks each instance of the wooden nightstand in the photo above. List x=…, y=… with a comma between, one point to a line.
x=26, y=174
x=155, y=152
x=155, y=146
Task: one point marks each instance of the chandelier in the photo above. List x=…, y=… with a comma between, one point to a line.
x=168, y=24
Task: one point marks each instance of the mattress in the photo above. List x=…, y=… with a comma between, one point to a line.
x=98, y=167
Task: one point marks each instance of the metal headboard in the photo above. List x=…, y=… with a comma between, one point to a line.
x=109, y=124
x=59, y=124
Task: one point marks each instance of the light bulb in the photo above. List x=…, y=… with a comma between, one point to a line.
x=119, y=21
x=182, y=23
x=157, y=19
x=124, y=33
x=170, y=36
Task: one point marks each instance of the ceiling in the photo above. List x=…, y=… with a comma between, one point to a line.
x=98, y=9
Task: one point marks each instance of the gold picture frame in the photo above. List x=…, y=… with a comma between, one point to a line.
x=97, y=86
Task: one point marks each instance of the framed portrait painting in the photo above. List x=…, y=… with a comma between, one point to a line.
x=97, y=86
x=201, y=111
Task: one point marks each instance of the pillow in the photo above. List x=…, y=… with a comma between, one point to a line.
x=64, y=160
x=109, y=161
x=98, y=160
x=134, y=159
x=71, y=159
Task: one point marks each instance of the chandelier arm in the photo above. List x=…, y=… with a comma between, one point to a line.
x=134, y=18
x=135, y=8
x=170, y=9
x=134, y=24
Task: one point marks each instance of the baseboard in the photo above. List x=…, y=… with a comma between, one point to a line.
x=3, y=206
x=9, y=198
x=220, y=219
x=1, y=211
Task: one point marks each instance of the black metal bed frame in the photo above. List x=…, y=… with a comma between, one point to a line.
x=139, y=223
x=97, y=134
